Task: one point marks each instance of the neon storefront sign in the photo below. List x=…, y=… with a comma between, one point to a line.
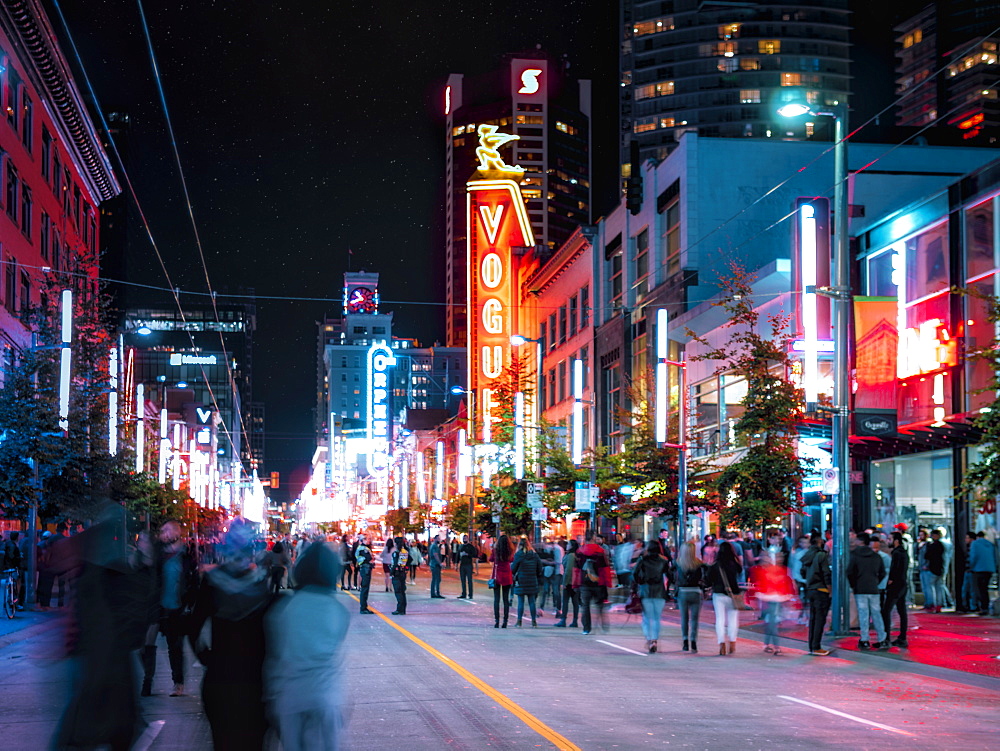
x=379, y=429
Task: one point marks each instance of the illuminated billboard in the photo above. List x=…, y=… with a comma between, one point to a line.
x=379, y=428
x=497, y=222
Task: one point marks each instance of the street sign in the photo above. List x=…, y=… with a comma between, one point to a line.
x=585, y=496
x=496, y=518
x=831, y=481
x=535, y=491
x=539, y=514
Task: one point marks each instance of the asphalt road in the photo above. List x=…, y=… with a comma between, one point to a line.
x=447, y=679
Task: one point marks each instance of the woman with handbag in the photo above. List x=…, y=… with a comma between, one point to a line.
x=727, y=597
x=527, y=569
x=502, y=579
x=690, y=577
x=648, y=577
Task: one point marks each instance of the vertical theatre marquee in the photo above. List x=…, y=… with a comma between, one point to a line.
x=497, y=222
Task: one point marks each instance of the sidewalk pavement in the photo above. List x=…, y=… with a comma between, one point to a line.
x=28, y=623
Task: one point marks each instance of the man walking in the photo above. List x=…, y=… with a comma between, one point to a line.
x=466, y=557
x=983, y=564
x=363, y=560
x=864, y=572
x=895, y=589
x=818, y=584
x=434, y=561
x=934, y=560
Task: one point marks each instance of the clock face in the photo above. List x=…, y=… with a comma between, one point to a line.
x=361, y=300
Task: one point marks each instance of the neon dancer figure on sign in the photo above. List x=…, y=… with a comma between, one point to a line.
x=488, y=151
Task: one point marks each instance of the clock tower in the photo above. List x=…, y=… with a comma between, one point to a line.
x=360, y=293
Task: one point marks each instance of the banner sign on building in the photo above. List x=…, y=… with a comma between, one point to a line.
x=380, y=359
x=497, y=221
x=877, y=348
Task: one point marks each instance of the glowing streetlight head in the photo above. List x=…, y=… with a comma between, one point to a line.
x=793, y=109
x=517, y=340
x=457, y=390
x=144, y=331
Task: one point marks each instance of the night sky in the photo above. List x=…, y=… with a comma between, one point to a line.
x=309, y=128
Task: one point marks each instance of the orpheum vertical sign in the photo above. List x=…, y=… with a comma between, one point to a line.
x=497, y=222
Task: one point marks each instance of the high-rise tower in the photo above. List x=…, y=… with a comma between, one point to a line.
x=534, y=98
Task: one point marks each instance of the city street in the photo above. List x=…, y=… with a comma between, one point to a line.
x=443, y=677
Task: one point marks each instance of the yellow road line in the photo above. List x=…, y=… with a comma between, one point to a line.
x=560, y=742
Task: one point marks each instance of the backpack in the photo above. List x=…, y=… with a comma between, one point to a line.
x=590, y=572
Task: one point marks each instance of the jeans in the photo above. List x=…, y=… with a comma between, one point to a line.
x=689, y=600
x=727, y=618
x=366, y=584
x=501, y=593
x=983, y=589
x=571, y=595
x=465, y=576
x=652, y=611
x=435, y=581
x=591, y=595
x=895, y=599
x=548, y=584
x=970, y=597
x=819, y=608
x=925, y=587
x=772, y=616
x=531, y=607
x=868, y=610
x=399, y=589
x=937, y=590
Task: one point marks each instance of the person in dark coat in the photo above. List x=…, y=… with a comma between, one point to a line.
x=527, y=570
x=649, y=576
x=232, y=602
x=399, y=569
x=501, y=557
x=895, y=590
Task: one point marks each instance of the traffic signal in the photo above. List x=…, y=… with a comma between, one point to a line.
x=275, y=476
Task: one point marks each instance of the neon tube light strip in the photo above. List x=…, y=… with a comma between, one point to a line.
x=810, y=322
x=577, y=411
x=660, y=413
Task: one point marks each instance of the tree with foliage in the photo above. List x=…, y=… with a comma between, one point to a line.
x=765, y=482
x=982, y=477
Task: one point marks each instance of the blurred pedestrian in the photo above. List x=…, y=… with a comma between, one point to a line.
x=818, y=584
x=970, y=599
x=690, y=584
x=546, y=581
x=281, y=561
x=571, y=595
x=649, y=577
x=227, y=635
x=386, y=558
x=895, y=590
x=346, y=565
x=592, y=578
x=934, y=553
x=435, y=557
x=174, y=580
x=467, y=555
x=774, y=588
x=303, y=670
x=723, y=576
x=983, y=563
x=400, y=568
x=709, y=549
x=503, y=579
x=363, y=563
x=415, y=559
x=795, y=569
x=527, y=570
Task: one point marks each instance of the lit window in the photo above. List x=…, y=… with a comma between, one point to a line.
x=561, y=126
x=750, y=63
x=749, y=96
x=769, y=46
x=644, y=124
x=729, y=31
x=810, y=129
x=651, y=90
x=667, y=122
x=529, y=120
x=727, y=65
x=641, y=28
x=791, y=79
x=458, y=130
x=531, y=193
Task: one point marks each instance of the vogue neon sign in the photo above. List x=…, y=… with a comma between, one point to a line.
x=380, y=359
x=497, y=221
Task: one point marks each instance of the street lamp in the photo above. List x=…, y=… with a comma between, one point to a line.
x=660, y=416
x=840, y=293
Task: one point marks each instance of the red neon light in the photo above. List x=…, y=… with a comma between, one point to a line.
x=971, y=122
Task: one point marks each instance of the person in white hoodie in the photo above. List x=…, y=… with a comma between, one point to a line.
x=304, y=666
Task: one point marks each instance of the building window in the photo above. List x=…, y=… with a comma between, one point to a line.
x=769, y=46
x=56, y=247
x=13, y=91
x=642, y=264
x=573, y=313
x=562, y=380
x=562, y=324
x=749, y=96
x=616, y=279
x=653, y=26
x=46, y=154
x=552, y=331
x=729, y=31
x=672, y=237
x=541, y=335
x=667, y=121
x=651, y=90
x=10, y=284
x=915, y=37
x=550, y=392
x=727, y=65
x=584, y=307
x=26, y=206
x=566, y=128
x=27, y=120
x=45, y=235
x=25, y=292
x=643, y=125
x=10, y=194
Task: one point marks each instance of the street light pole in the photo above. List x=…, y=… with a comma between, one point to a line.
x=841, y=279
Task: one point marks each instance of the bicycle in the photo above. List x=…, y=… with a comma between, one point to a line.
x=8, y=592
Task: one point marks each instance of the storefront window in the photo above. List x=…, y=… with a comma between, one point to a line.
x=880, y=278
x=927, y=263
x=913, y=489
x=978, y=334
x=979, y=239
